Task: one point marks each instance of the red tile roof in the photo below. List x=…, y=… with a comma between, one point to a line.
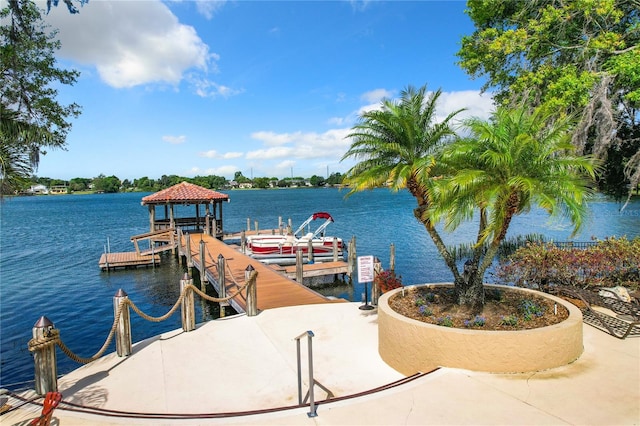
x=184, y=192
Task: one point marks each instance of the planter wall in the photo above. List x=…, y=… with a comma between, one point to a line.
x=410, y=346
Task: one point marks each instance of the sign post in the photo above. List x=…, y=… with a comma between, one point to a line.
x=365, y=275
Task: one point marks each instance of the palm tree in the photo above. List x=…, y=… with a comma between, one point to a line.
x=516, y=160
x=509, y=163
x=397, y=146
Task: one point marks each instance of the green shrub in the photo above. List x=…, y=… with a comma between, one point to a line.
x=608, y=263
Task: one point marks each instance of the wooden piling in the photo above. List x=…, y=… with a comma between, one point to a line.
x=44, y=357
x=188, y=310
x=352, y=257
x=123, y=328
x=392, y=257
x=335, y=249
x=252, y=292
x=187, y=238
x=203, y=267
x=375, y=285
x=222, y=281
x=310, y=250
x=299, y=267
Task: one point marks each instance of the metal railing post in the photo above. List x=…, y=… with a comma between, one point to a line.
x=123, y=329
x=312, y=403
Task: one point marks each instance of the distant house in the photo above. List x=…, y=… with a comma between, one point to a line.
x=59, y=189
x=245, y=185
x=38, y=189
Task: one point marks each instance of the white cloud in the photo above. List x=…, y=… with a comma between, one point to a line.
x=226, y=171
x=375, y=96
x=131, y=42
x=209, y=154
x=206, y=88
x=301, y=146
x=214, y=154
x=477, y=104
x=208, y=8
x=231, y=155
x=174, y=139
x=274, y=139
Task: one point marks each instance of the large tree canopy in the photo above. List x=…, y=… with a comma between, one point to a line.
x=32, y=119
x=578, y=56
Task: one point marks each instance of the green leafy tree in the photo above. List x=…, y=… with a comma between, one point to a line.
x=581, y=57
x=261, y=182
x=334, y=179
x=316, y=180
x=32, y=119
x=110, y=184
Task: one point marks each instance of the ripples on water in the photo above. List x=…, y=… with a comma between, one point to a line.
x=50, y=247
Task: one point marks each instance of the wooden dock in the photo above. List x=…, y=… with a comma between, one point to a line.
x=274, y=290
x=110, y=261
x=318, y=269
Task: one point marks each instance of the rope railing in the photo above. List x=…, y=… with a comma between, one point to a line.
x=46, y=336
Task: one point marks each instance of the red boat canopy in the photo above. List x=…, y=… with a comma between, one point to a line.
x=322, y=215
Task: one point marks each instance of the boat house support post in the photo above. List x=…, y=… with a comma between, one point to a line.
x=44, y=356
x=152, y=218
x=123, y=329
x=310, y=250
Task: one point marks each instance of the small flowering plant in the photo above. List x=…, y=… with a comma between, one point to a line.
x=478, y=321
x=388, y=280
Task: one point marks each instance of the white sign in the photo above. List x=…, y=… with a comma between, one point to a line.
x=365, y=269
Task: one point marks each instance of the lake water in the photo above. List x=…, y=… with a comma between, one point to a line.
x=50, y=247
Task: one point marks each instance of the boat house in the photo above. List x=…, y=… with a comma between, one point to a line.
x=187, y=206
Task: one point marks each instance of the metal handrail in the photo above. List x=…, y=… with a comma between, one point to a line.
x=312, y=406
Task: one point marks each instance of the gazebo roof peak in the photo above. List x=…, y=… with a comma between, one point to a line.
x=184, y=192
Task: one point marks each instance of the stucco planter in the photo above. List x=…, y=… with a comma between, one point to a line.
x=410, y=346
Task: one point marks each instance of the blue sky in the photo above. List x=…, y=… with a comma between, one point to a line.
x=268, y=88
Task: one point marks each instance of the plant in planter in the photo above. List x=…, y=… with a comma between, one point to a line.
x=517, y=159
x=388, y=280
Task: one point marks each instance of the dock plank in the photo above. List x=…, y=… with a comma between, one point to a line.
x=317, y=269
